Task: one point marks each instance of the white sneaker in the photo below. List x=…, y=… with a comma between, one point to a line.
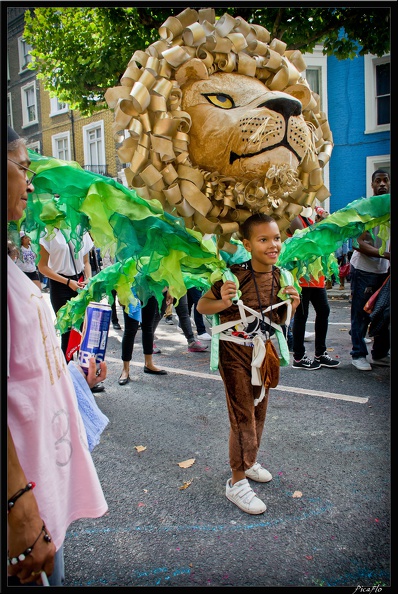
x=204, y=336
x=362, y=364
x=244, y=497
x=258, y=473
x=367, y=340
x=308, y=336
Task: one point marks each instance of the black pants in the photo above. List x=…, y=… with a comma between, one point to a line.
x=59, y=295
x=319, y=299
x=150, y=317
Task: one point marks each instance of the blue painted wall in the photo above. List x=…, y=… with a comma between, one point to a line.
x=346, y=114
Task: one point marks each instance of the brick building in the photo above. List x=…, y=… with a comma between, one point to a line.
x=50, y=127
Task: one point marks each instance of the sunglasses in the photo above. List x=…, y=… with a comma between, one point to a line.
x=29, y=173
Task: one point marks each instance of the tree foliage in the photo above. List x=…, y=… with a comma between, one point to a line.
x=80, y=52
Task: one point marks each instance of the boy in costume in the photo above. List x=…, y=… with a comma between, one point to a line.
x=240, y=344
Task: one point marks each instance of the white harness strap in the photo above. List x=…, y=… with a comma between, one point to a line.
x=258, y=341
x=221, y=328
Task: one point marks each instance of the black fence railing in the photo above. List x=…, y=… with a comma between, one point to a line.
x=101, y=169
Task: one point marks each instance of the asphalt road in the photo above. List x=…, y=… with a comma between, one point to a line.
x=326, y=442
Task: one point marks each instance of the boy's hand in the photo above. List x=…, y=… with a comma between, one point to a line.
x=228, y=292
x=293, y=294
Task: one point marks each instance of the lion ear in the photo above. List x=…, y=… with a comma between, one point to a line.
x=300, y=92
x=192, y=70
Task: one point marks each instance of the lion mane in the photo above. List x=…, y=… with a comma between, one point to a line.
x=152, y=124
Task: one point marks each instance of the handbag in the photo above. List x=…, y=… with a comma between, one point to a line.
x=369, y=305
x=380, y=316
x=344, y=270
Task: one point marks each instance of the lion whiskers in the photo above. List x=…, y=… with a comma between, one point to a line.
x=310, y=146
x=261, y=131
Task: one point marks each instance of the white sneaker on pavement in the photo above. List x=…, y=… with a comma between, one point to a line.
x=205, y=336
x=362, y=364
x=244, y=497
x=258, y=473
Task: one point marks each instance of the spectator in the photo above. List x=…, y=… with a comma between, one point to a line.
x=312, y=291
x=368, y=272
x=45, y=443
x=67, y=274
x=259, y=282
x=147, y=316
x=27, y=260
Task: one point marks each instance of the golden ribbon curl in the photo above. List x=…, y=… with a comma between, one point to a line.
x=148, y=115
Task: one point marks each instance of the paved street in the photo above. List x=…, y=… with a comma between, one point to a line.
x=326, y=442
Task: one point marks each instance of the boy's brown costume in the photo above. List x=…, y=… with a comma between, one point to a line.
x=235, y=365
x=217, y=121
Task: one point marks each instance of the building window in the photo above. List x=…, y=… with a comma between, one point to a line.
x=34, y=146
x=383, y=93
x=61, y=146
x=9, y=111
x=377, y=93
x=57, y=107
x=316, y=74
x=24, y=54
x=373, y=163
x=29, y=105
x=94, y=148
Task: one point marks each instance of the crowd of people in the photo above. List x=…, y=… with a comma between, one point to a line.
x=50, y=484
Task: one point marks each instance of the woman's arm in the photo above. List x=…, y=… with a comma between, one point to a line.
x=87, y=268
x=25, y=523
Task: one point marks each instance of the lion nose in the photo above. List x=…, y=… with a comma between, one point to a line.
x=286, y=106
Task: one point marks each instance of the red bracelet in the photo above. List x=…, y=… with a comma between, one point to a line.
x=12, y=500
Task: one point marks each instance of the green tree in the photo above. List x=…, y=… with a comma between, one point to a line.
x=80, y=52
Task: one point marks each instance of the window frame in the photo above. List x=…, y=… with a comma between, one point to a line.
x=54, y=111
x=23, y=64
x=10, y=119
x=370, y=63
x=25, y=118
x=86, y=149
x=317, y=60
x=54, y=148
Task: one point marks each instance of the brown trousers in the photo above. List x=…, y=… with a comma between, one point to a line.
x=246, y=420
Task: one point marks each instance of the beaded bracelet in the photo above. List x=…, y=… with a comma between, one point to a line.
x=22, y=556
x=12, y=500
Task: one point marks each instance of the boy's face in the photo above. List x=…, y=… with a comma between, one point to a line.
x=264, y=245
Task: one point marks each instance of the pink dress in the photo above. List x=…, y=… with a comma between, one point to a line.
x=43, y=413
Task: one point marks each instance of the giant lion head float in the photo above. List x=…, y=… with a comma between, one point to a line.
x=216, y=121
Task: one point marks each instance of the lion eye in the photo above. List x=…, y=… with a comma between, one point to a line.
x=220, y=100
